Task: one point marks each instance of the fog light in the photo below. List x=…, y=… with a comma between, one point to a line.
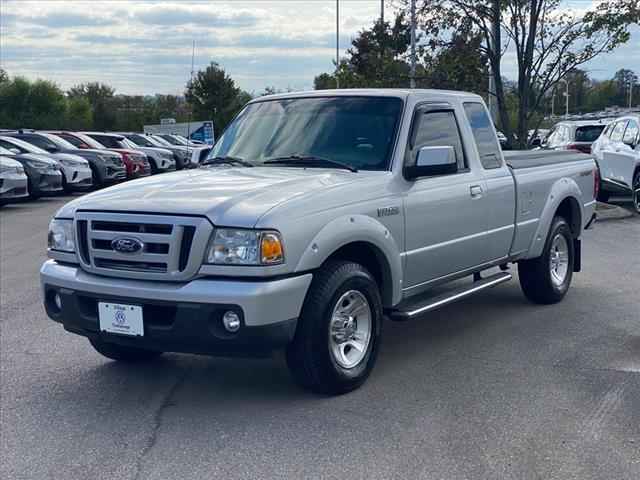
x=231, y=321
x=58, y=301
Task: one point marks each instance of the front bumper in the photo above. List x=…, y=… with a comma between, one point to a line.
x=78, y=178
x=46, y=182
x=13, y=187
x=181, y=317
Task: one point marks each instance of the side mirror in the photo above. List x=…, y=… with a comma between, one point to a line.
x=431, y=161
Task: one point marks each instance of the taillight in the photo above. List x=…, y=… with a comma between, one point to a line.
x=596, y=182
x=579, y=147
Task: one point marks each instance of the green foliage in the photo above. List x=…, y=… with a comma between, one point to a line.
x=79, y=115
x=213, y=94
x=39, y=104
x=100, y=97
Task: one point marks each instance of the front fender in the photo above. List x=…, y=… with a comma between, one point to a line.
x=561, y=190
x=355, y=228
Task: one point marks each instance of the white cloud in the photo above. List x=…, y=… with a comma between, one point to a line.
x=144, y=46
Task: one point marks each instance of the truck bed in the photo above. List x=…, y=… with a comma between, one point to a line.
x=539, y=158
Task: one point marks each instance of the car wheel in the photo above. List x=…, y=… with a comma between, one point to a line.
x=338, y=334
x=546, y=279
x=123, y=353
x=636, y=191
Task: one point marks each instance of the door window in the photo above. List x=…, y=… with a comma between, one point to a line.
x=484, y=135
x=631, y=133
x=618, y=131
x=437, y=129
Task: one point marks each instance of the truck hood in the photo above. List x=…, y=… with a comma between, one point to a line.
x=235, y=197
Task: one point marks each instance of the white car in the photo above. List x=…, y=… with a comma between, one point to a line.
x=77, y=174
x=617, y=152
x=13, y=180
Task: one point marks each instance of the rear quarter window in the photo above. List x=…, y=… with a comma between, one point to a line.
x=589, y=133
x=484, y=135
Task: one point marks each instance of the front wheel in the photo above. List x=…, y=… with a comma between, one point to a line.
x=546, y=279
x=338, y=334
x=636, y=191
x=122, y=353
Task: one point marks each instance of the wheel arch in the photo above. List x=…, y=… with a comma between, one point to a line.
x=364, y=240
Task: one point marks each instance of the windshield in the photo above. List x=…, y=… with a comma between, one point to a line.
x=355, y=131
x=159, y=142
x=92, y=142
x=180, y=140
x=169, y=139
x=589, y=134
x=60, y=143
x=27, y=147
x=140, y=141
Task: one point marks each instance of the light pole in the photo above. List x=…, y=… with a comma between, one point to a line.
x=566, y=94
x=337, y=42
x=630, y=92
x=412, y=73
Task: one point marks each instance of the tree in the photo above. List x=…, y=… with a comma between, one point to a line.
x=79, y=115
x=39, y=104
x=214, y=95
x=4, y=77
x=460, y=65
x=623, y=78
x=100, y=96
x=549, y=42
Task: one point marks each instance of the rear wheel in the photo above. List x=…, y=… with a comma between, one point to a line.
x=338, y=334
x=636, y=191
x=122, y=353
x=546, y=279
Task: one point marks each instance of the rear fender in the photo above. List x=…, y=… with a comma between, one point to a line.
x=561, y=190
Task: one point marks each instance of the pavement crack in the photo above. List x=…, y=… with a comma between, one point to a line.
x=158, y=418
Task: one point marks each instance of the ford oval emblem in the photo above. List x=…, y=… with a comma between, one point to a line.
x=126, y=245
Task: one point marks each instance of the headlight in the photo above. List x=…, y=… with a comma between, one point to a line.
x=40, y=166
x=61, y=235
x=111, y=159
x=245, y=247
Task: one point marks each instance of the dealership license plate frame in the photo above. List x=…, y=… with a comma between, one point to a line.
x=121, y=319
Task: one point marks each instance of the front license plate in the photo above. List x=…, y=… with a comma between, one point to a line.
x=121, y=319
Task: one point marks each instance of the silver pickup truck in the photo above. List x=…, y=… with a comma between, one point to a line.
x=317, y=215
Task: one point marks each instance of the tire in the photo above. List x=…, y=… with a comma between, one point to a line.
x=122, y=353
x=313, y=357
x=636, y=191
x=154, y=168
x=546, y=279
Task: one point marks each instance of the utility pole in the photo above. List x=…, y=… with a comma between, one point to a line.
x=566, y=95
x=337, y=42
x=412, y=74
x=493, y=111
x=382, y=12
x=630, y=92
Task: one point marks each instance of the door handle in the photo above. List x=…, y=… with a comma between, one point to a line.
x=476, y=191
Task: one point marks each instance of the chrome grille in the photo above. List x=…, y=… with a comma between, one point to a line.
x=170, y=248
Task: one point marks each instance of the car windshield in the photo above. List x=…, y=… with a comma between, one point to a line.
x=141, y=141
x=60, y=143
x=354, y=131
x=589, y=133
x=24, y=145
x=171, y=140
x=159, y=141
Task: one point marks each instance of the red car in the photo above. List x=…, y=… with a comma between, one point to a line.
x=135, y=161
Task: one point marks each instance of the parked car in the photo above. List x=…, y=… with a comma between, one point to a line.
x=160, y=159
x=77, y=175
x=617, y=152
x=502, y=139
x=177, y=140
x=44, y=175
x=13, y=181
x=193, y=154
x=135, y=161
x=304, y=235
x=537, y=137
x=107, y=167
x=578, y=135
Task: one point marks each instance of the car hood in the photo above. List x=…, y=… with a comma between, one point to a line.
x=70, y=157
x=38, y=157
x=8, y=162
x=228, y=196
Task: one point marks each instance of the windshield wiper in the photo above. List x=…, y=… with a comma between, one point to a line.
x=309, y=161
x=226, y=160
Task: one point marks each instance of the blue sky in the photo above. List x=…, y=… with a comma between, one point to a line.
x=144, y=46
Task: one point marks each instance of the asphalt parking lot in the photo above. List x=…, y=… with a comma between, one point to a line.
x=493, y=387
